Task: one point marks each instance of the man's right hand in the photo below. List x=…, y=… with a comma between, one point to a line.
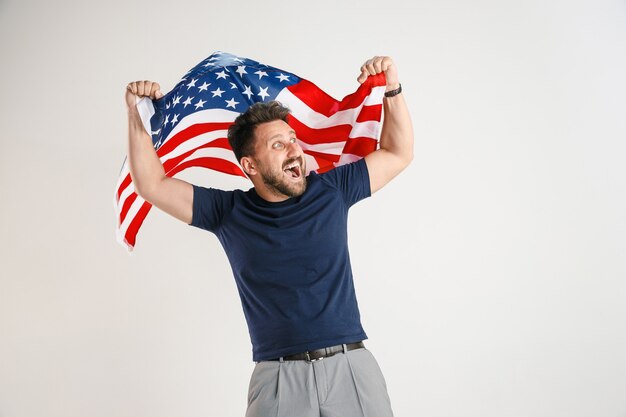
x=142, y=89
x=171, y=195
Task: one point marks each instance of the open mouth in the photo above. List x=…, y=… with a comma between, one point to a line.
x=293, y=170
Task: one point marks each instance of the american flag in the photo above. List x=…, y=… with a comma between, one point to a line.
x=189, y=124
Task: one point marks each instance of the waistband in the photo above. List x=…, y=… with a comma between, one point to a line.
x=319, y=354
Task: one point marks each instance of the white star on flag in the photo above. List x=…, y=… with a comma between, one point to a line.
x=231, y=103
x=248, y=92
x=263, y=93
x=217, y=92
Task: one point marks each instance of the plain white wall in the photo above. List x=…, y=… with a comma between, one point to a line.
x=490, y=274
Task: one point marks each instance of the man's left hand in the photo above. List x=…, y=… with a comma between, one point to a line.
x=379, y=64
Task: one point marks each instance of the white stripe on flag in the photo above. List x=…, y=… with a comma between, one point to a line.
x=316, y=120
x=203, y=116
x=194, y=143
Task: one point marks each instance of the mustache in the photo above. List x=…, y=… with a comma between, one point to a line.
x=299, y=159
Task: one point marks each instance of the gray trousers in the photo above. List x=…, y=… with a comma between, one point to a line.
x=347, y=384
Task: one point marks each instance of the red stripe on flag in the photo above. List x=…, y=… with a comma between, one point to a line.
x=360, y=146
x=122, y=187
x=325, y=168
x=135, y=224
x=127, y=205
x=190, y=133
x=322, y=103
x=357, y=146
x=216, y=164
x=315, y=136
x=217, y=143
x=325, y=158
x=369, y=113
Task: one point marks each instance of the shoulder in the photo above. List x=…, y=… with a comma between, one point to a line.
x=356, y=168
x=351, y=180
x=210, y=205
x=212, y=193
x=343, y=175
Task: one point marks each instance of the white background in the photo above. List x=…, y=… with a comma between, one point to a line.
x=491, y=274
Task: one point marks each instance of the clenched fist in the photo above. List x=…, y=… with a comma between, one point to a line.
x=142, y=89
x=377, y=65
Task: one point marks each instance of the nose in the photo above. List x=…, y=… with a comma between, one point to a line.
x=293, y=150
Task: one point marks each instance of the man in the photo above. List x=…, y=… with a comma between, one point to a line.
x=286, y=240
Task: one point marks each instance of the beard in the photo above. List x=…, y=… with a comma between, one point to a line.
x=279, y=185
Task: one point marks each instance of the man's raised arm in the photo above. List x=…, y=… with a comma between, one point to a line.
x=396, y=139
x=171, y=195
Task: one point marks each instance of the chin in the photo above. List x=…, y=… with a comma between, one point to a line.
x=285, y=185
x=297, y=190
x=291, y=189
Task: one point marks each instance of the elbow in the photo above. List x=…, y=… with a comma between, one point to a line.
x=406, y=162
x=408, y=157
x=145, y=190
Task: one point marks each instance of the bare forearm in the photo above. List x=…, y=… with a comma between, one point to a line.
x=171, y=195
x=146, y=169
x=396, y=138
x=397, y=134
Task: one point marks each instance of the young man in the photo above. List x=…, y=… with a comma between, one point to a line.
x=286, y=240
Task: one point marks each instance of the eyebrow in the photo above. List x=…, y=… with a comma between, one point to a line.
x=280, y=135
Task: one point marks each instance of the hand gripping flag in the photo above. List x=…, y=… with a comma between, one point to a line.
x=189, y=124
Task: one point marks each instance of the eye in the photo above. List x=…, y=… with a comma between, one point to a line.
x=292, y=140
x=277, y=145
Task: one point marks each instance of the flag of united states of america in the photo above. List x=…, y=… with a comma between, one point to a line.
x=189, y=124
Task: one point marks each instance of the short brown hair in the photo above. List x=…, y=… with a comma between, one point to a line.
x=241, y=132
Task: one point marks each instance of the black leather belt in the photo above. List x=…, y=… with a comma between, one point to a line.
x=318, y=354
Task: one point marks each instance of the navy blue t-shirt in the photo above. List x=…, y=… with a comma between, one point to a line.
x=290, y=260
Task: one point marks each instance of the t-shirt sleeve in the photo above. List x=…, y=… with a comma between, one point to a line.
x=209, y=207
x=352, y=180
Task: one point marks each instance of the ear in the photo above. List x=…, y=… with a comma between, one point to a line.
x=248, y=165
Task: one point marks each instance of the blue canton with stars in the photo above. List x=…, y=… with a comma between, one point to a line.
x=221, y=81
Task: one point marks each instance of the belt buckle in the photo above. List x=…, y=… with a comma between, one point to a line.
x=308, y=358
